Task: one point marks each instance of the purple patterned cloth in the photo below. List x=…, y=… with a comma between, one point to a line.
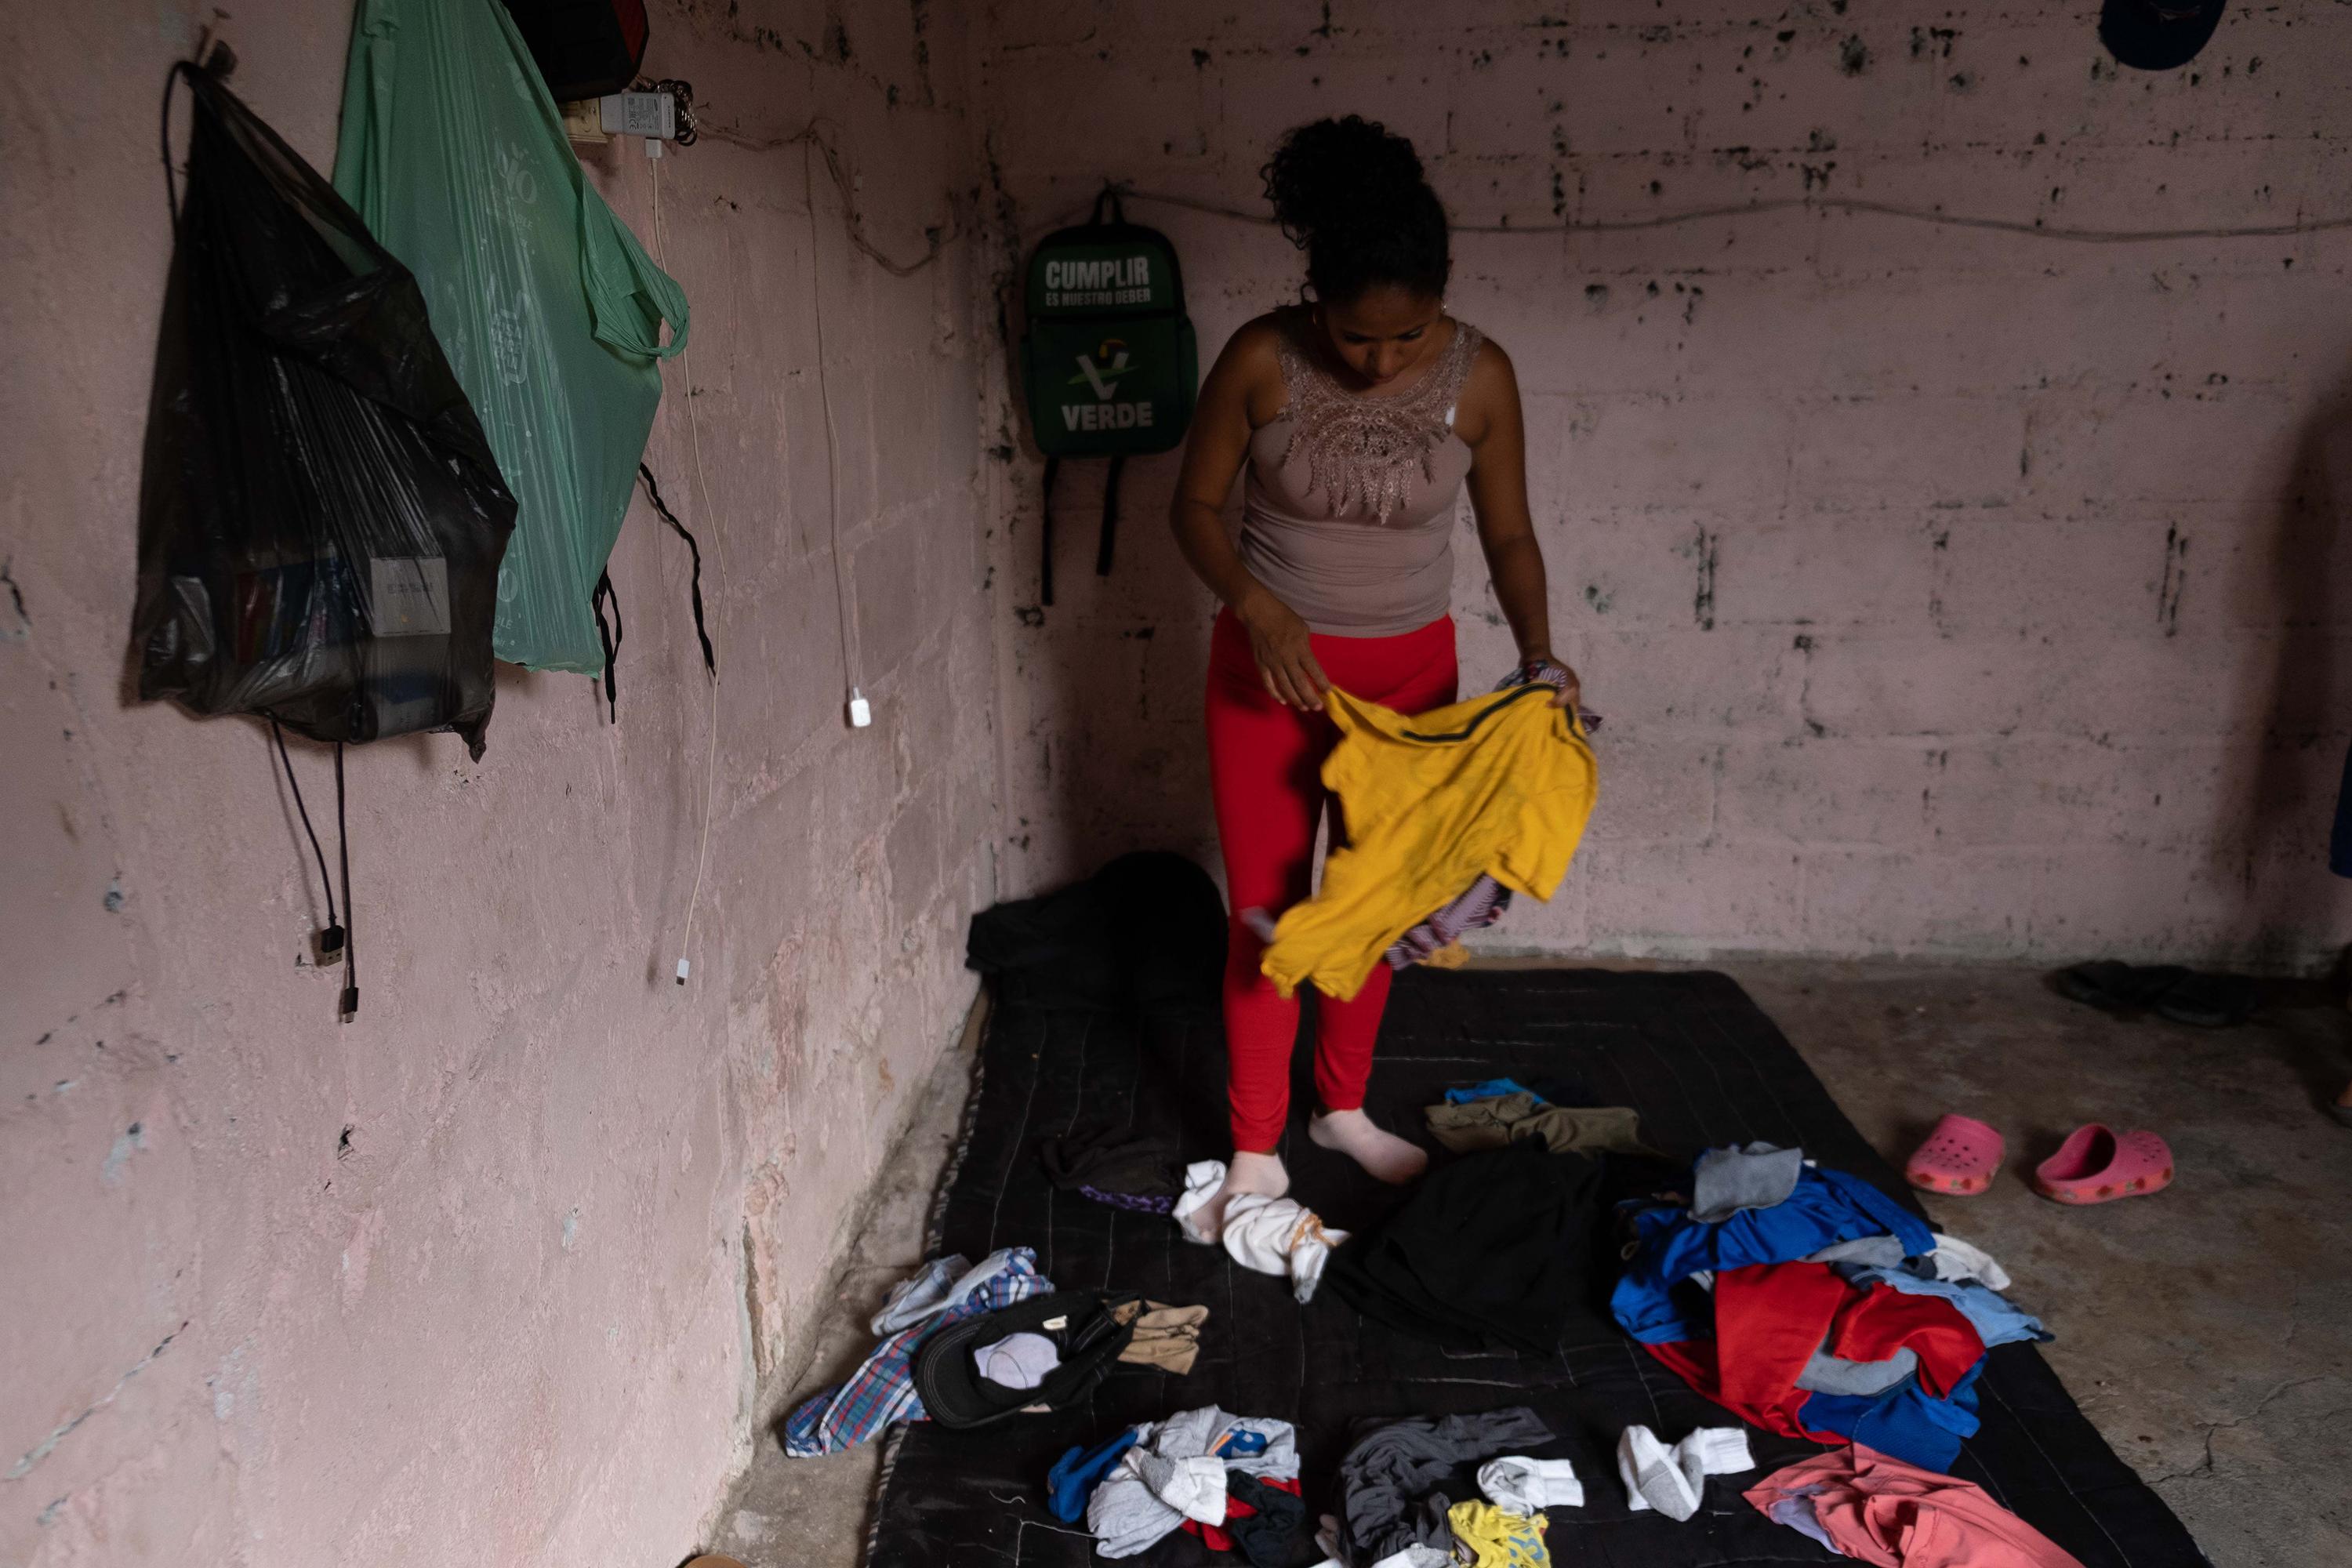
x=1141, y=1203
x=882, y=1389
x=1478, y=907
x=1547, y=672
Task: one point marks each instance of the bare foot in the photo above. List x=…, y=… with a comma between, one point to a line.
x=1247, y=1172
x=1384, y=1154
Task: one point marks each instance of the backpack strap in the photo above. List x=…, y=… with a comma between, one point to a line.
x=1109, y=515
x=1105, y=542
x=1046, y=533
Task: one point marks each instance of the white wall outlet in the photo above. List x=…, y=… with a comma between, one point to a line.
x=583, y=122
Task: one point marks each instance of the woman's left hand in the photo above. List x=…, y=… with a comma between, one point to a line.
x=1544, y=667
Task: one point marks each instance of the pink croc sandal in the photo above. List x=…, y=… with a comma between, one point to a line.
x=1960, y=1156
x=2097, y=1165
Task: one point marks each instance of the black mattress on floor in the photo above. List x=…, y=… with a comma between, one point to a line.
x=1698, y=1059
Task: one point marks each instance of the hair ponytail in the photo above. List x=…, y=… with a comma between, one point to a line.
x=1352, y=194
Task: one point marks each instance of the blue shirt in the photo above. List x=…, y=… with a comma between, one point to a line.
x=1827, y=1207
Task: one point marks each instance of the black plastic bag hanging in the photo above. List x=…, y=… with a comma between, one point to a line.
x=320, y=519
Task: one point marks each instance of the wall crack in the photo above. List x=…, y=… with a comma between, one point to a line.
x=47, y=1445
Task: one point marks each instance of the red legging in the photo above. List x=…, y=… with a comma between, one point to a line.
x=1266, y=765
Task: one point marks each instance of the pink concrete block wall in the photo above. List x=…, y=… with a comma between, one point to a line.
x=1950, y=589
x=489, y=1275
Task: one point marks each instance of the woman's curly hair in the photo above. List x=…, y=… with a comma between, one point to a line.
x=1352, y=194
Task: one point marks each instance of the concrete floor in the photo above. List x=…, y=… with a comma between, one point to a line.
x=2207, y=1331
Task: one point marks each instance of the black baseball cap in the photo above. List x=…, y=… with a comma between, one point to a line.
x=2157, y=34
x=1081, y=1328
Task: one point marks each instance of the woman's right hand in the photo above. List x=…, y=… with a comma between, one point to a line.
x=1286, y=658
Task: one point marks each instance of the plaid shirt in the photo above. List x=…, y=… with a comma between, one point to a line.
x=882, y=1389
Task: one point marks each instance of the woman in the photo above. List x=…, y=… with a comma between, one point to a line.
x=1355, y=420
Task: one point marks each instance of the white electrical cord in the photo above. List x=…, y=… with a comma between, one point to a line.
x=860, y=715
x=718, y=554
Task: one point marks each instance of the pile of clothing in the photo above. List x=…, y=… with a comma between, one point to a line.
x=1801, y=1298
x=1395, y=1513
x=882, y=1390
x=1504, y=1111
x=968, y=1343
x=1810, y=1304
x=1233, y=1481
x=1398, y=1511
x=1144, y=937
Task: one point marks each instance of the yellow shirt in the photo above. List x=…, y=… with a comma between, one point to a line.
x=1497, y=1539
x=1500, y=785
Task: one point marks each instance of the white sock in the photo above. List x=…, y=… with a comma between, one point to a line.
x=1722, y=1450
x=1416, y=1556
x=1519, y=1485
x=1203, y=1180
x=1657, y=1476
x=1380, y=1153
x=1210, y=1187
x=1957, y=1260
x=1674, y=1480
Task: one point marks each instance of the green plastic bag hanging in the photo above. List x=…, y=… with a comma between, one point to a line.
x=549, y=310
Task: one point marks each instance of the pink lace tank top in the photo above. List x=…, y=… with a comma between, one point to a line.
x=1348, y=501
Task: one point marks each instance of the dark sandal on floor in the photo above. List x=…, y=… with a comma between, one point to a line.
x=2115, y=988
x=2210, y=1001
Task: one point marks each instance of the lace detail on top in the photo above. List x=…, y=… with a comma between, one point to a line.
x=1362, y=451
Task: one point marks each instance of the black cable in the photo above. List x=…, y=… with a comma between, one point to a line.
x=350, y=943
x=653, y=493
x=171, y=184
x=2033, y=229
x=608, y=635
x=333, y=935
x=217, y=63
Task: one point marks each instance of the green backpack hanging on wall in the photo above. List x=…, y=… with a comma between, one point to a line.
x=1108, y=363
